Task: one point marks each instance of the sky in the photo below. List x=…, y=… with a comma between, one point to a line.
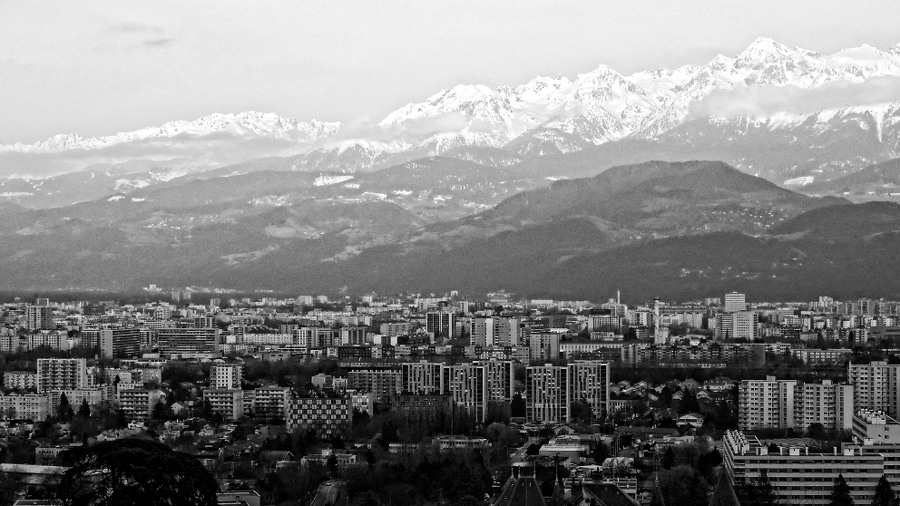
x=97, y=68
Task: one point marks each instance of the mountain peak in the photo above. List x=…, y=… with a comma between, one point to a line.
x=762, y=49
x=241, y=123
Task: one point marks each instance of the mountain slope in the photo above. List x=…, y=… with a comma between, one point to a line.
x=652, y=199
x=879, y=181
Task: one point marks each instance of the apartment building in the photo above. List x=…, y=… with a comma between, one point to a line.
x=137, y=404
x=773, y=403
x=61, y=374
x=227, y=402
x=33, y=407
x=188, y=342
x=20, y=380
x=422, y=378
x=382, y=383
x=226, y=376
x=800, y=474
x=119, y=343
x=876, y=386
x=328, y=416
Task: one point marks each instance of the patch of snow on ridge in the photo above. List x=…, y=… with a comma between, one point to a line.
x=326, y=180
x=800, y=181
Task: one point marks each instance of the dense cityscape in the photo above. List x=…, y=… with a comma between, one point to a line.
x=456, y=253
x=462, y=400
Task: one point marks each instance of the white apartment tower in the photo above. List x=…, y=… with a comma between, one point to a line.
x=225, y=376
x=771, y=403
x=496, y=331
x=551, y=390
x=876, y=386
x=735, y=302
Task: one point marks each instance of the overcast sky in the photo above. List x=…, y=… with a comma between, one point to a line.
x=102, y=67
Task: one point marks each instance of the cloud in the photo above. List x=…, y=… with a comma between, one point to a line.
x=412, y=130
x=131, y=35
x=160, y=42
x=12, y=63
x=762, y=101
x=128, y=27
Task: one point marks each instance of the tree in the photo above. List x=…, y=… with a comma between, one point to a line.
x=161, y=412
x=668, y=458
x=601, y=452
x=582, y=411
x=65, y=411
x=840, y=492
x=884, y=494
x=816, y=430
x=763, y=490
x=134, y=471
x=517, y=406
x=84, y=410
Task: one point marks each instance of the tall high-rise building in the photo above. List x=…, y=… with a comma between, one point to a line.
x=783, y=404
x=551, y=390
x=496, y=331
x=467, y=386
x=474, y=386
x=766, y=403
x=441, y=324
x=422, y=378
x=61, y=374
x=39, y=317
x=738, y=325
x=226, y=376
x=827, y=403
x=876, y=386
x=589, y=382
x=119, y=343
x=735, y=302
x=382, y=383
x=543, y=346
x=547, y=393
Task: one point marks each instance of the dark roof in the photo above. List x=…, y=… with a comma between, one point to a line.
x=609, y=494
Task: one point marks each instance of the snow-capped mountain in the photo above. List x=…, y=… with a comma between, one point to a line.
x=243, y=124
x=546, y=115
x=602, y=105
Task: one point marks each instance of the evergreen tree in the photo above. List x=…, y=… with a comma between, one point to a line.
x=764, y=490
x=840, y=493
x=884, y=494
x=65, y=411
x=668, y=458
x=161, y=412
x=84, y=410
x=517, y=406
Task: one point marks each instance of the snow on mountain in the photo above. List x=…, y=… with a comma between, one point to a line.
x=244, y=124
x=602, y=105
x=542, y=116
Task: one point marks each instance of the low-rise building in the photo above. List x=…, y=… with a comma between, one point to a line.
x=137, y=403
x=20, y=380
x=24, y=406
x=799, y=474
x=328, y=416
x=228, y=403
